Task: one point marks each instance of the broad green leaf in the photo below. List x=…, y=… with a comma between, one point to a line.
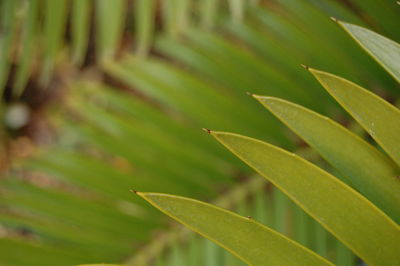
x=378, y=117
x=385, y=51
x=369, y=170
x=341, y=210
x=247, y=239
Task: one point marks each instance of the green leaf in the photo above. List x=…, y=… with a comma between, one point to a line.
x=80, y=26
x=247, y=239
x=54, y=29
x=378, y=117
x=110, y=17
x=370, y=171
x=35, y=254
x=385, y=51
x=236, y=8
x=144, y=25
x=176, y=14
x=8, y=24
x=341, y=210
x=28, y=48
x=208, y=13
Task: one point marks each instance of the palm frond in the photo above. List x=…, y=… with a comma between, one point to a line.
x=141, y=78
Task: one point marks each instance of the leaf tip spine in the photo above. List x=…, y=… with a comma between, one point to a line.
x=255, y=96
x=134, y=191
x=206, y=130
x=305, y=67
x=334, y=19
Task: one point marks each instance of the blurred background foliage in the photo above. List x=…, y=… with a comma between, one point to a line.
x=99, y=97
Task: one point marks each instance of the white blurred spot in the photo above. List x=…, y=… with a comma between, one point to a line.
x=16, y=116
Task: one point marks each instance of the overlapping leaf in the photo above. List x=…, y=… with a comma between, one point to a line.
x=247, y=239
x=378, y=117
x=366, y=168
x=385, y=51
x=343, y=211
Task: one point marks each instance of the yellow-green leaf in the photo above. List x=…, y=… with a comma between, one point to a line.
x=370, y=171
x=378, y=117
x=354, y=220
x=385, y=51
x=247, y=239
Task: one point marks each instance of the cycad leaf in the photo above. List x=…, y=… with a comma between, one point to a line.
x=144, y=26
x=110, y=16
x=80, y=29
x=28, y=46
x=385, y=51
x=378, y=117
x=247, y=239
x=54, y=28
x=344, y=212
x=369, y=170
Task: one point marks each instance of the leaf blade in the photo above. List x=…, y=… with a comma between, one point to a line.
x=385, y=51
x=368, y=109
x=199, y=215
x=313, y=189
x=370, y=171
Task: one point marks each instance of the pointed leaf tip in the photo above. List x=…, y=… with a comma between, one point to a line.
x=334, y=19
x=138, y=193
x=305, y=67
x=384, y=50
x=361, y=170
x=313, y=190
x=267, y=100
x=367, y=109
x=206, y=130
x=255, y=96
x=250, y=241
